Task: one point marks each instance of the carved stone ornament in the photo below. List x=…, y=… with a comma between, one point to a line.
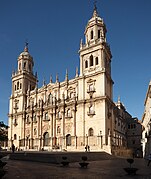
x=45, y=128
x=27, y=132
x=68, y=127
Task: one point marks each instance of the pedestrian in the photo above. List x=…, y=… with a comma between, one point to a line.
x=149, y=159
x=88, y=148
x=13, y=148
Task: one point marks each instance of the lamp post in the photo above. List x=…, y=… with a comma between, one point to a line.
x=39, y=142
x=19, y=143
x=86, y=139
x=101, y=138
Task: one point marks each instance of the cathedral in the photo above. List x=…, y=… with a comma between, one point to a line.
x=74, y=113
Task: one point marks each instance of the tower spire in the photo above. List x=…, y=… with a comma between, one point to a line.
x=119, y=99
x=26, y=46
x=95, y=8
x=57, y=78
x=77, y=72
x=44, y=82
x=95, y=13
x=50, y=78
x=66, y=78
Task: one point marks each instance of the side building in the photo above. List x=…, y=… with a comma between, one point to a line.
x=146, y=124
x=73, y=113
x=134, y=136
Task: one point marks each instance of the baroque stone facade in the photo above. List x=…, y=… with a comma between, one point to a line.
x=73, y=113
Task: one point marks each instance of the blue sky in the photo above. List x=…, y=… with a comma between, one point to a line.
x=54, y=30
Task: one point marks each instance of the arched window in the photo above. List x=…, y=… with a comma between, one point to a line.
x=91, y=109
x=59, y=115
x=15, y=121
x=18, y=85
x=86, y=64
x=27, y=120
x=68, y=113
x=46, y=139
x=68, y=140
x=15, y=137
x=96, y=61
x=15, y=88
x=90, y=132
x=35, y=131
x=29, y=67
x=46, y=116
x=19, y=66
x=91, y=87
x=99, y=33
x=91, y=60
x=58, y=129
x=71, y=94
x=24, y=65
x=91, y=34
x=50, y=98
x=34, y=118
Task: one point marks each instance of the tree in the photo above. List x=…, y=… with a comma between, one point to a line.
x=3, y=131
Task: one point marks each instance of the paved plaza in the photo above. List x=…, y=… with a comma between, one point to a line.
x=102, y=169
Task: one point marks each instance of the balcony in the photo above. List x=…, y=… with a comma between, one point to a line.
x=46, y=119
x=91, y=113
x=91, y=90
x=68, y=116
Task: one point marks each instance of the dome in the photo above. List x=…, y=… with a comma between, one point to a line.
x=95, y=18
x=25, y=53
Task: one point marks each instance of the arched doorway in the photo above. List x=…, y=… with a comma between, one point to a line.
x=68, y=140
x=91, y=138
x=46, y=139
x=90, y=132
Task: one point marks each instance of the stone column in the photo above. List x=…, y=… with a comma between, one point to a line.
x=40, y=131
x=51, y=128
x=54, y=128
x=63, y=122
x=102, y=58
x=84, y=133
x=24, y=124
x=74, y=125
x=26, y=143
x=38, y=123
x=42, y=142
x=31, y=134
x=81, y=65
x=95, y=33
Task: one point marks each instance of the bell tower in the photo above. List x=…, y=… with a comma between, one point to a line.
x=23, y=80
x=95, y=54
